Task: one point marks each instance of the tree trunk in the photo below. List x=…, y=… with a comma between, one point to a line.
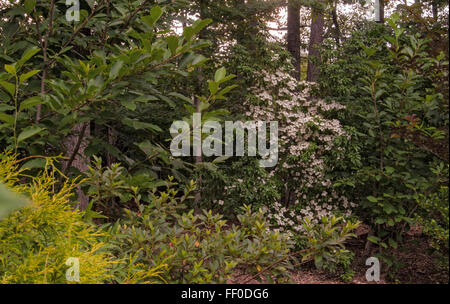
x=75, y=144
x=337, y=31
x=293, y=36
x=315, y=40
x=435, y=10
x=379, y=15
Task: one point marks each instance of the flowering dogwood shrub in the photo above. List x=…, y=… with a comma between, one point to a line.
x=312, y=145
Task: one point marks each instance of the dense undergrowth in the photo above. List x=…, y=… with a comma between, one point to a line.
x=87, y=175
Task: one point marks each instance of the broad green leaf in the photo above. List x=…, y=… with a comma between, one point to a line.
x=29, y=5
x=393, y=243
x=380, y=220
x=34, y=163
x=129, y=105
x=115, y=70
x=9, y=87
x=213, y=87
x=30, y=102
x=198, y=60
x=28, y=132
x=9, y=201
x=28, y=54
x=25, y=76
x=180, y=96
x=139, y=125
x=146, y=98
x=5, y=107
x=172, y=43
x=318, y=261
x=374, y=239
x=220, y=74
x=227, y=89
x=7, y=118
x=198, y=25
x=372, y=199
x=10, y=69
x=155, y=14
x=389, y=170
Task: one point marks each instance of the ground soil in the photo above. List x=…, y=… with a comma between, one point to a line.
x=415, y=264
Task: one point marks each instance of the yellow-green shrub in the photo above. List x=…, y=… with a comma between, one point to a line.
x=37, y=240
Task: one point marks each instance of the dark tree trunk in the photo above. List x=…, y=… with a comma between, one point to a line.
x=337, y=31
x=315, y=40
x=435, y=10
x=381, y=11
x=293, y=36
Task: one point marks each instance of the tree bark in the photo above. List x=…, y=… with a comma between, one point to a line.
x=435, y=10
x=293, y=36
x=75, y=145
x=337, y=30
x=315, y=40
x=380, y=11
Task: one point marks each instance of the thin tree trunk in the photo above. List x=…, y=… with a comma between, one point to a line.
x=337, y=30
x=435, y=10
x=293, y=36
x=315, y=40
x=198, y=152
x=380, y=11
x=75, y=145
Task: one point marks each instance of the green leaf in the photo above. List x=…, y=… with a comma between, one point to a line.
x=25, y=76
x=34, y=163
x=180, y=96
x=393, y=243
x=389, y=170
x=10, y=69
x=213, y=87
x=7, y=118
x=380, y=220
x=198, y=25
x=220, y=74
x=145, y=98
x=138, y=125
x=6, y=107
x=373, y=239
x=221, y=159
x=155, y=14
x=372, y=199
x=9, y=87
x=29, y=5
x=9, y=201
x=129, y=105
x=28, y=54
x=30, y=102
x=198, y=60
x=172, y=43
x=389, y=208
x=318, y=261
x=28, y=132
x=116, y=69
x=227, y=89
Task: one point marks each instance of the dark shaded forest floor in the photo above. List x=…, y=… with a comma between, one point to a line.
x=415, y=264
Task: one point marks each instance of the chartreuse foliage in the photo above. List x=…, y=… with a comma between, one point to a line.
x=37, y=240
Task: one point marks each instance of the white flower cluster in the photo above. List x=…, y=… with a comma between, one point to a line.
x=306, y=136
